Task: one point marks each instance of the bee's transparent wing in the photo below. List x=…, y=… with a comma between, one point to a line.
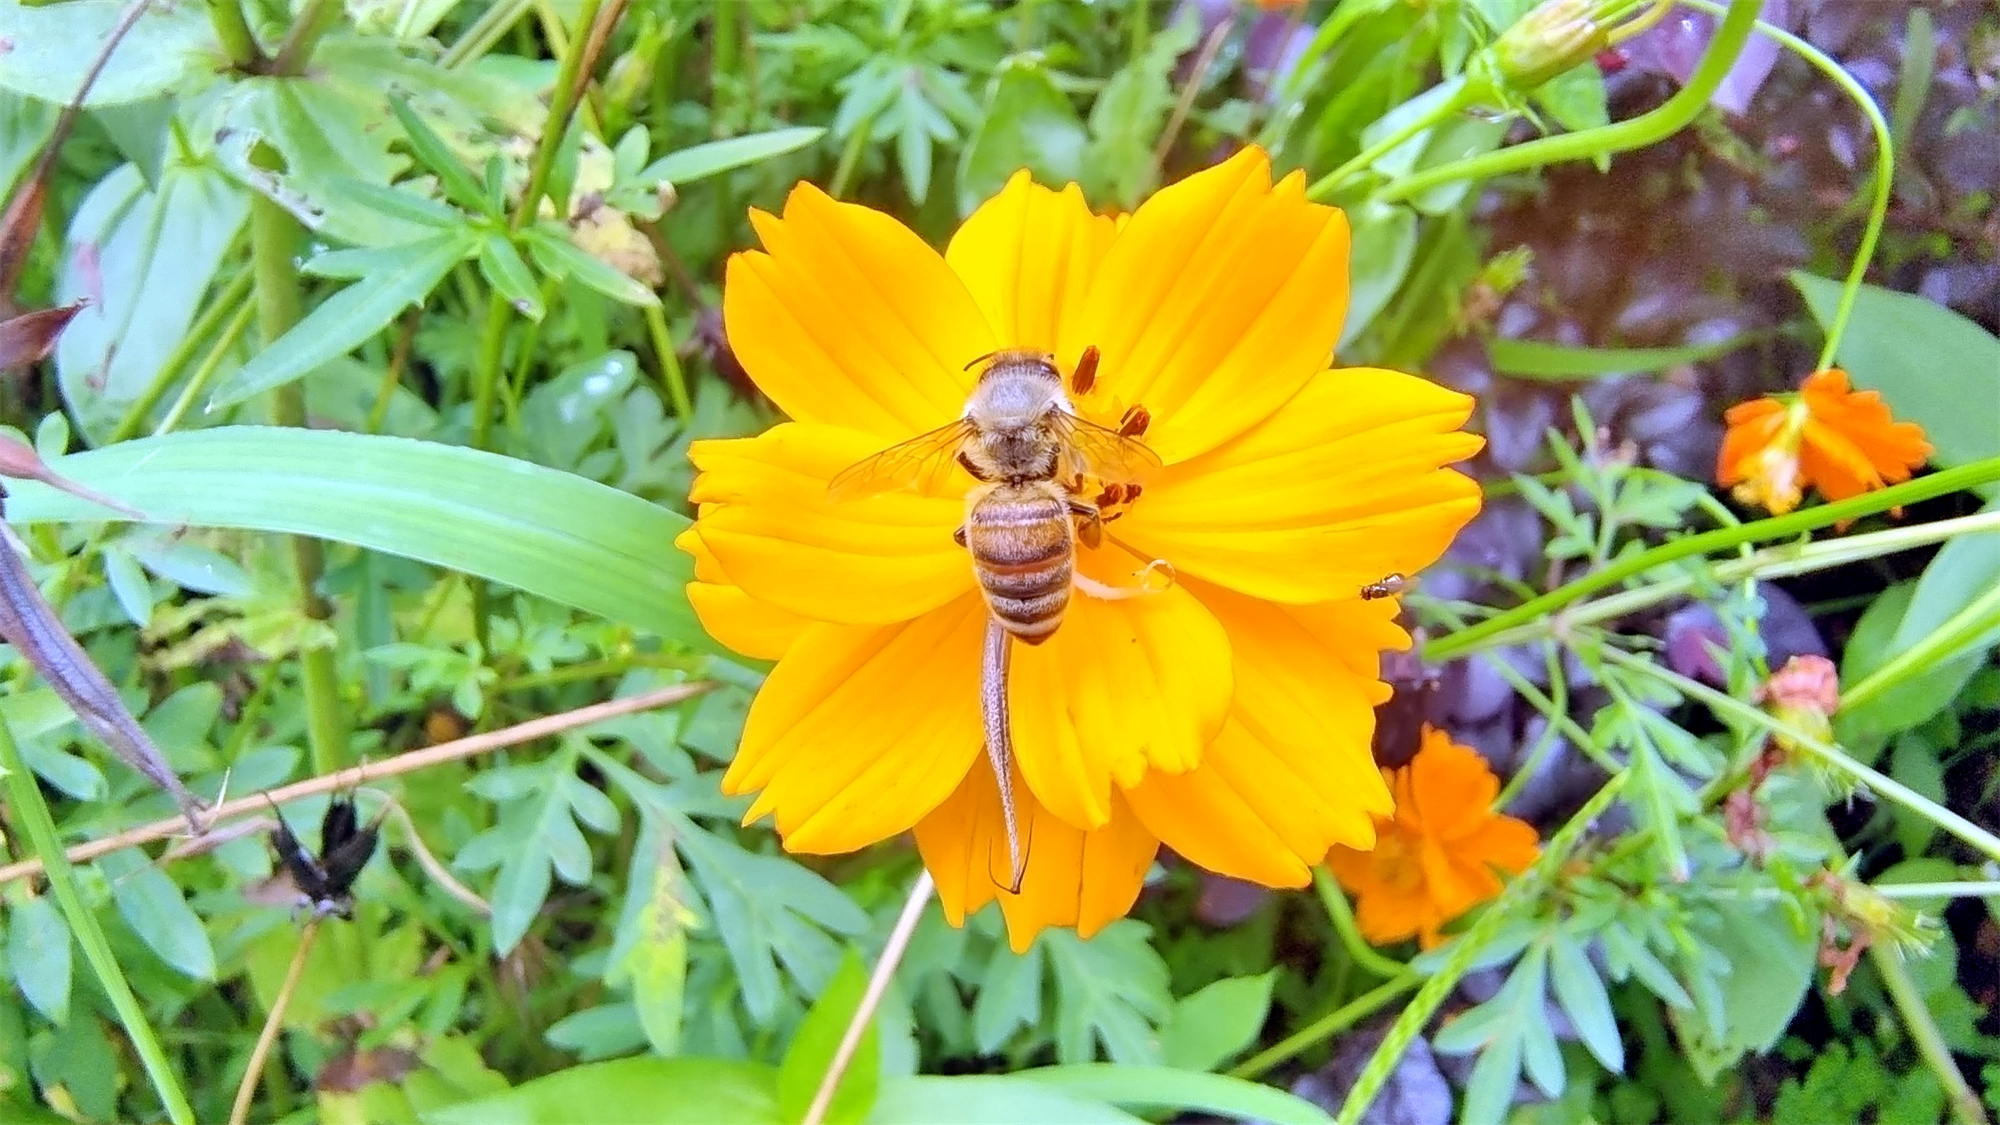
x=1104, y=453
x=920, y=463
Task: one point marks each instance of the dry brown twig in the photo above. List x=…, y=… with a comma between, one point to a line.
x=455, y=750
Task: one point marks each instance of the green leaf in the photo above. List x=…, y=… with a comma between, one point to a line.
x=50, y=47
x=550, y=533
x=347, y=319
x=1770, y=968
x=152, y=904
x=38, y=954
x=705, y=160
x=987, y=1100
x=1536, y=359
x=1217, y=1023
x=1028, y=124
x=1933, y=366
x=1126, y=118
x=812, y=1050
x=642, y=1091
x=1385, y=243
x=1582, y=994
x=1159, y=1087
x=1110, y=989
x=399, y=203
x=431, y=151
x=501, y=265
x=560, y=259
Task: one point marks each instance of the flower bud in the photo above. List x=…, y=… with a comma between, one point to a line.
x=1803, y=695
x=1556, y=36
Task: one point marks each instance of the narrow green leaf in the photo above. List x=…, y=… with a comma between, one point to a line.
x=347, y=319
x=1582, y=994
x=501, y=265
x=356, y=262
x=431, y=151
x=398, y=203
x=705, y=160
x=1160, y=1087
x=550, y=533
x=560, y=258
x=812, y=1050
x=1537, y=359
x=683, y=1091
x=988, y=1099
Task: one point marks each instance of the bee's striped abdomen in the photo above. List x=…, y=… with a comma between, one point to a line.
x=1022, y=544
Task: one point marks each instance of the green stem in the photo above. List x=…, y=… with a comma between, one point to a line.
x=562, y=105
x=1327, y=1026
x=229, y=299
x=1888, y=961
x=670, y=363
x=1459, y=98
x=31, y=813
x=1358, y=949
x=1958, y=630
x=492, y=347
x=850, y=157
x=1878, y=783
x=1936, y=890
x=274, y=236
x=1885, y=170
x=485, y=31
x=233, y=32
x=1481, y=634
x=1648, y=128
x=1467, y=947
x=314, y=20
x=198, y=382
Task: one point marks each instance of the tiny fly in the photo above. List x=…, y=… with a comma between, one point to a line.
x=325, y=882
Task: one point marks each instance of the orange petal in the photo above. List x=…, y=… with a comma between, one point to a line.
x=1341, y=486
x=1028, y=255
x=1452, y=786
x=767, y=520
x=1073, y=878
x=859, y=732
x=847, y=318
x=1122, y=687
x=1215, y=304
x=731, y=616
x=1291, y=774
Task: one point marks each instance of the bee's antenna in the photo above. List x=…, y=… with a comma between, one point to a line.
x=977, y=360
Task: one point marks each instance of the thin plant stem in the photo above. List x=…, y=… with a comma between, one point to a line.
x=1328, y=1025
x=1481, y=634
x=485, y=31
x=1961, y=628
x=232, y=31
x=1461, y=96
x=1876, y=782
x=1342, y=917
x=1467, y=947
x=31, y=814
x=570, y=76
x=1936, y=1053
x=850, y=157
x=670, y=363
x=315, y=19
x=230, y=299
x=239, y=1111
x=457, y=749
x=591, y=670
x=1885, y=170
x=871, y=998
x=1204, y=59
x=1651, y=127
x=203, y=375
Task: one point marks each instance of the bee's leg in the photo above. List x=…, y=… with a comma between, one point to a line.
x=1107, y=592
x=958, y=535
x=966, y=464
x=1089, y=525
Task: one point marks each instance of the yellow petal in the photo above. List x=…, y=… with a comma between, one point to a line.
x=731, y=616
x=847, y=318
x=1341, y=486
x=772, y=529
x=1073, y=878
x=1028, y=255
x=859, y=732
x=1215, y=304
x=1292, y=773
x=1122, y=687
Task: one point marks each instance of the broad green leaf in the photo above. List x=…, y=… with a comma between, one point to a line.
x=640, y=1091
x=38, y=954
x=1010, y=996
x=151, y=904
x=1933, y=366
x=550, y=533
x=1537, y=359
x=705, y=160
x=1159, y=1087
x=813, y=1047
x=1582, y=994
x=171, y=48
x=561, y=259
x=1385, y=242
x=1028, y=124
x=1770, y=968
x=986, y=1099
x=349, y=318
x=144, y=259
x=1216, y=1023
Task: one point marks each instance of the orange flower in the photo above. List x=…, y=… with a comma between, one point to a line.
x=1434, y=859
x=1227, y=715
x=1840, y=441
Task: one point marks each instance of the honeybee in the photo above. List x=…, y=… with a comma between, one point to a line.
x=1030, y=456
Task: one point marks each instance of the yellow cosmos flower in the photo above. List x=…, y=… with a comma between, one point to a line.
x=1438, y=855
x=1228, y=716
